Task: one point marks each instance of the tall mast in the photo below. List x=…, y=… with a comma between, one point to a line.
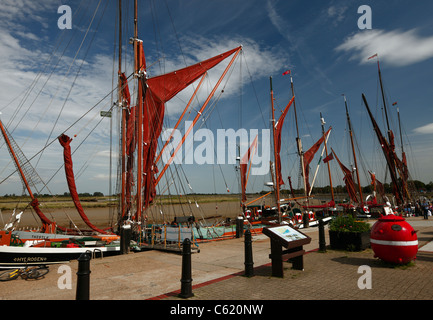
x=353, y=151
x=139, y=120
x=390, y=134
x=386, y=150
x=277, y=177
x=326, y=152
x=399, y=127
x=384, y=100
x=298, y=140
x=404, y=174
x=123, y=120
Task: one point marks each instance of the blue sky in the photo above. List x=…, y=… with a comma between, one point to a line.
x=319, y=41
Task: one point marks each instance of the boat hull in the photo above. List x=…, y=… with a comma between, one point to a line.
x=15, y=257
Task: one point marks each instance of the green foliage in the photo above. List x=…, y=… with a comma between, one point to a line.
x=348, y=224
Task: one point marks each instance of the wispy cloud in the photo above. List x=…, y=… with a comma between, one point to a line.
x=298, y=39
x=427, y=129
x=399, y=48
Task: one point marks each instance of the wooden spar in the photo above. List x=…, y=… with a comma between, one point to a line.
x=384, y=100
x=258, y=198
x=197, y=116
x=277, y=176
x=399, y=128
x=298, y=141
x=14, y=156
x=353, y=151
x=45, y=221
x=289, y=199
x=325, y=141
x=181, y=117
x=325, y=149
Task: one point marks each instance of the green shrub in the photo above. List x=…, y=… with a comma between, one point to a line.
x=348, y=224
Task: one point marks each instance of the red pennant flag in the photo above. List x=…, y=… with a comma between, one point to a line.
x=373, y=56
x=328, y=158
x=286, y=72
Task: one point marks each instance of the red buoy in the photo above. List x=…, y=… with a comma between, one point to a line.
x=394, y=240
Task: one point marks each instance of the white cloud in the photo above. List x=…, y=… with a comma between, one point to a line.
x=398, y=48
x=337, y=13
x=427, y=129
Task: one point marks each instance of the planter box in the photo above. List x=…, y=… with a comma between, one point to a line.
x=352, y=241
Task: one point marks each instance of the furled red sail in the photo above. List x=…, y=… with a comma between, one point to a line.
x=65, y=142
x=387, y=151
x=278, y=128
x=243, y=167
x=308, y=157
x=348, y=180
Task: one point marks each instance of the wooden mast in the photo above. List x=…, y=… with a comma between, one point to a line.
x=139, y=120
x=123, y=120
x=299, y=142
x=390, y=135
x=353, y=151
x=326, y=154
x=277, y=176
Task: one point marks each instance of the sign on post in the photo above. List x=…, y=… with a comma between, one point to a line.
x=291, y=239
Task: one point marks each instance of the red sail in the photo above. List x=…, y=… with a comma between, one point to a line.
x=165, y=87
x=387, y=151
x=308, y=157
x=243, y=167
x=348, y=180
x=65, y=142
x=157, y=91
x=278, y=128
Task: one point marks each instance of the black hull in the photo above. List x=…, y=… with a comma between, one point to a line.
x=13, y=257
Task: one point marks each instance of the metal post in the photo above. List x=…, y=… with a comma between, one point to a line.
x=306, y=220
x=249, y=270
x=322, y=241
x=186, y=281
x=83, y=277
x=239, y=227
x=125, y=238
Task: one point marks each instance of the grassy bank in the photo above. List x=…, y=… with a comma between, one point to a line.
x=56, y=202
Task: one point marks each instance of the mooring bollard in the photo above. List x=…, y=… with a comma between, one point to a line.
x=186, y=281
x=306, y=220
x=322, y=241
x=249, y=270
x=83, y=277
x=239, y=227
x=125, y=238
